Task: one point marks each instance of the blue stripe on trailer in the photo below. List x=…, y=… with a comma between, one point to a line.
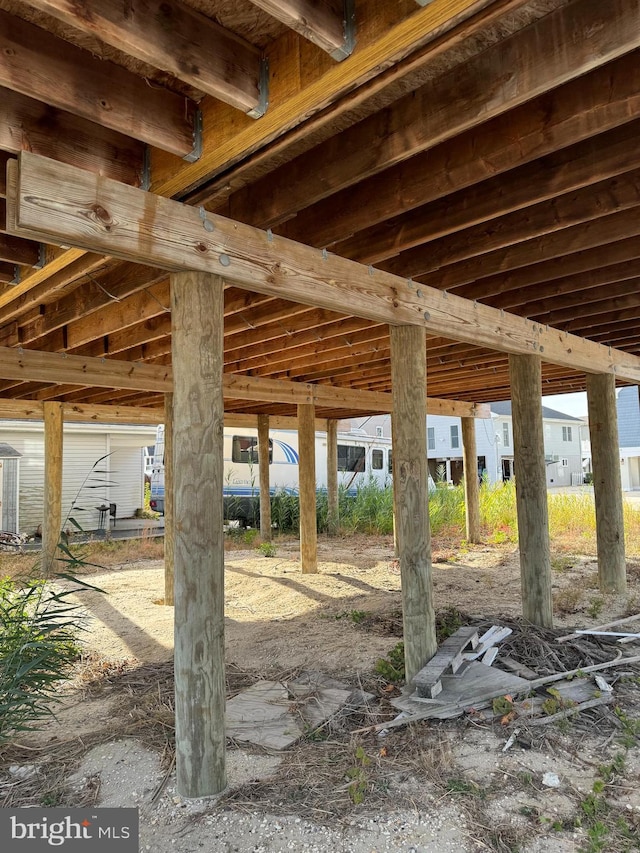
x=290, y=454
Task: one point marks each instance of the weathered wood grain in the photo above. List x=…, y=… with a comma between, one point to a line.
x=307, y=474
x=197, y=309
x=607, y=483
x=72, y=205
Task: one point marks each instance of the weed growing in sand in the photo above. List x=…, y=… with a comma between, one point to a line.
x=391, y=668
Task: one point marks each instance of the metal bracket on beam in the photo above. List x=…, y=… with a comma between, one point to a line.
x=42, y=257
x=16, y=275
x=263, y=88
x=145, y=178
x=349, y=23
x=424, y=2
x=196, y=151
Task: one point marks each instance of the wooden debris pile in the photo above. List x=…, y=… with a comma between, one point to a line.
x=471, y=672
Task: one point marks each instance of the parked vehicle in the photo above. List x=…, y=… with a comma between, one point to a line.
x=361, y=458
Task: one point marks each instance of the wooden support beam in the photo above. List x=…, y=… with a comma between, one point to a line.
x=471, y=481
x=4, y=158
x=174, y=237
x=15, y=250
x=197, y=309
x=175, y=38
x=263, y=473
x=307, y=488
x=531, y=489
x=27, y=124
x=169, y=511
x=31, y=365
x=7, y=272
x=410, y=476
x=32, y=410
x=52, y=515
x=577, y=37
x=607, y=483
x=587, y=205
x=584, y=170
x=322, y=23
x=333, y=515
x=41, y=66
x=594, y=103
x=401, y=43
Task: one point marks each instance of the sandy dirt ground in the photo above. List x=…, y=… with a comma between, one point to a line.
x=436, y=788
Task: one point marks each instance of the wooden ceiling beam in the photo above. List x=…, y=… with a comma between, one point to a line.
x=577, y=38
x=39, y=65
x=561, y=292
x=15, y=250
x=32, y=410
x=7, y=272
x=305, y=82
x=357, y=343
x=595, y=103
x=582, y=167
x=4, y=158
x=587, y=205
x=29, y=124
x=97, y=294
x=53, y=198
x=32, y=366
x=175, y=38
x=598, y=232
x=561, y=269
x=322, y=22
x=556, y=312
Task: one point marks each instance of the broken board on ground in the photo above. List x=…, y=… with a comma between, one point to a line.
x=275, y=715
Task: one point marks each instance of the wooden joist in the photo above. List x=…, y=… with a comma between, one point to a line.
x=41, y=66
x=68, y=205
x=578, y=38
x=39, y=127
x=594, y=103
x=15, y=250
x=175, y=38
x=31, y=365
x=448, y=657
x=320, y=21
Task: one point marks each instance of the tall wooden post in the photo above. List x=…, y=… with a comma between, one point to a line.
x=307, y=469
x=52, y=519
x=333, y=520
x=197, y=314
x=263, y=473
x=531, y=489
x=169, y=531
x=607, y=483
x=471, y=482
x=410, y=475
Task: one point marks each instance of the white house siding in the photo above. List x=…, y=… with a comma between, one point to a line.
x=557, y=445
x=83, y=487
x=127, y=473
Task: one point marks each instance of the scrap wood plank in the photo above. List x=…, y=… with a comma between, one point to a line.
x=448, y=657
x=572, y=710
x=620, y=660
x=577, y=634
x=496, y=634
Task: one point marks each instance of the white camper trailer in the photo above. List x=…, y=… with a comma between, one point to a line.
x=361, y=458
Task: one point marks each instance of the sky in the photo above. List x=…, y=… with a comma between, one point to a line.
x=568, y=404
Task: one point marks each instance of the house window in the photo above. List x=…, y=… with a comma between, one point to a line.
x=567, y=433
x=505, y=435
x=380, y=431
x=350, y=458
x=431, y=438
x=377, y=458
x=390, y=463
x=565, y=462
x=455, y=437
x=244, y=448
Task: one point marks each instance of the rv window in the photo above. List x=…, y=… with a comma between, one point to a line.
x=245, y=449
x=350, y=458
x=376, y=460
x=390, y=465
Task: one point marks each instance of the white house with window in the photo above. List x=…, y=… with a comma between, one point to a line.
x=562, y=445
x=628, y=407
x=494, y=445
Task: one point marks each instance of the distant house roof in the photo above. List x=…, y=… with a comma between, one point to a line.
x=8, y=452
x=504, y=408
